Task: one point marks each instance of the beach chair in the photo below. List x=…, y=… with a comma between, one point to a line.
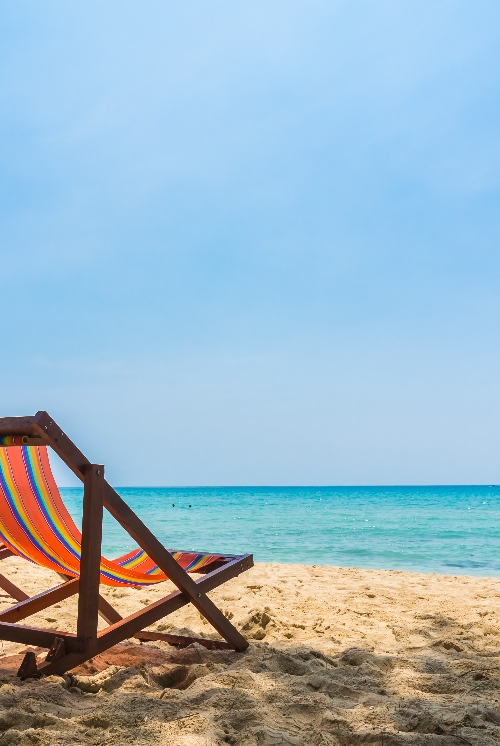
x=35, y=525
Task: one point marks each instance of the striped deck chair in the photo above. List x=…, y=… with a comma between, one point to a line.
x=36, y=525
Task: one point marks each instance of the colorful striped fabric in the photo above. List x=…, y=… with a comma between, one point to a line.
x=35, y=524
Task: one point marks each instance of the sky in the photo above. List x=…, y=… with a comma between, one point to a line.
x=255, y=243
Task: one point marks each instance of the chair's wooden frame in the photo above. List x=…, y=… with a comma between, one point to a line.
x=67, y=650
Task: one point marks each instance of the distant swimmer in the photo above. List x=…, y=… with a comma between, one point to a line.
x=189, y=506
x=173, y=505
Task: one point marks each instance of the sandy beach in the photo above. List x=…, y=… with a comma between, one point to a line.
x=337, y=656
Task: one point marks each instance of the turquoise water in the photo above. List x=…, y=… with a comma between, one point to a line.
x=424, y=529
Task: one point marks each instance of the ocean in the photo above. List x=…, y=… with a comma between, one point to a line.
x=453, y=530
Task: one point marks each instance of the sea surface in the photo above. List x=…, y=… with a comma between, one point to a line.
x=453, y=530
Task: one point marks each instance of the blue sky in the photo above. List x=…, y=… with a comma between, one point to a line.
x=255, y=243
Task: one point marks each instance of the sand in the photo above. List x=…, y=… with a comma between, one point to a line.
x=337, y=656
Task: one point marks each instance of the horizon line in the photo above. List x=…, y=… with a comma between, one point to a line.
x=286, y=486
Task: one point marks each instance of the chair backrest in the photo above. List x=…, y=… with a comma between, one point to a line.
x=34, y=522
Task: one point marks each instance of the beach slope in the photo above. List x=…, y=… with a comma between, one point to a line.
x=337, y=656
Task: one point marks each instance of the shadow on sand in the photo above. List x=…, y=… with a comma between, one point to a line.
x=444, y=694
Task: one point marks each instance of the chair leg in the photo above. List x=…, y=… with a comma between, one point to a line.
x=108, y=612
x=12, y=589
x=162, y=557
x=90, y=561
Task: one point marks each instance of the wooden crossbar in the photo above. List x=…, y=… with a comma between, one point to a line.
x=44, y=638
x=41, y=601
x=11, y=589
